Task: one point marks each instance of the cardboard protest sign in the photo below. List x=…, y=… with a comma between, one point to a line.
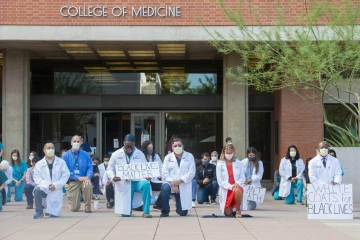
x=256, y=194
x=330, y=202
x=138, y=170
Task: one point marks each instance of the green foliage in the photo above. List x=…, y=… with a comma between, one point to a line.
x=317, y=58
x=340, y=139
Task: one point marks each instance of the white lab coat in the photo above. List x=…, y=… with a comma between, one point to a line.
x=123, y=188
x=223, y=181
x=319, y=175
x=255, y=177
x=9, y=175
x=285, y=171
x=60, y=175
x=102, y=173
x=172, y=172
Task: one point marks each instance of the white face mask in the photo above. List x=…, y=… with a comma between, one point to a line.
x=324, y=152
x=213, y=158
x=76, y=146
x=50, y=152
x=292, y=153
x=229, y=156
x=106, y=163
x=14, y=158
x=31, y=158
x=178, y=150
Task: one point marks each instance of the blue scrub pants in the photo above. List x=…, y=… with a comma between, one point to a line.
x=276, y=194
x=194, y=188
x=1, y=200
x=165, y=197
x=299, y=185
x=142, y=187
x=18, y=191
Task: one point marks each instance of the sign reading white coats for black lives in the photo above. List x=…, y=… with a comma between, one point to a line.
x=138, y=170
x=330, y=201
x=256, y=194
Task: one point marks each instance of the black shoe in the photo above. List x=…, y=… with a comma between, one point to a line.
x=140, y=209
x=110, y=205
x=213, y=202
x=157, y=208
x=164, y=214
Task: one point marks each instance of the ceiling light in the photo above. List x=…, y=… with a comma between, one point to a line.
x=121, y=68
x=142, y=53
x=145, y=63
x=147, y=68
x=73, y=45
x=79, y=51
x=117, y=63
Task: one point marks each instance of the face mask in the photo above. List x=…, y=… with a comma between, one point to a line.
x=324, y=152
x=50, y=152
x=206, y=162
x=150, y=151
x=76, y=146
x=31, y=158
x=251, y=159
x=292, y=153
x=178, y=150
x=213, y=158
x=128, y=149
x=229, y=156
x=14, y=158
x=106, y=163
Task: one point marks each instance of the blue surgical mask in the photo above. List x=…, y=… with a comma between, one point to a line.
x=252, y=159
x=150, y=151
x=206, y=162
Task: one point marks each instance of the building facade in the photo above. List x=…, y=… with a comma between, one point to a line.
x=108, y=68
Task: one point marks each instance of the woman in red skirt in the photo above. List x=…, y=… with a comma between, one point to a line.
x=231, y=177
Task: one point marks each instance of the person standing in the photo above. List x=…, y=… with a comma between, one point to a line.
x=50, y=175
x=125, y=189
x=81, y=171
x=19, y=174
x=178, y=171
x=3, y=179
x=30, y=183
x=8, y=170
x=254, y=170
x=324, y=168
x=206, y=179
x=231, y=178
x=291, y=171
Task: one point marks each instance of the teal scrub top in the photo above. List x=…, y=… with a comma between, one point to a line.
x=3, y=178
x=18, y=171
x=1, y=146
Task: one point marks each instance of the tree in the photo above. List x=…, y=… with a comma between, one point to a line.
x=318, y=56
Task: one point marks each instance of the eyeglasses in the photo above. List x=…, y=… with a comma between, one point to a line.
x=175, y=146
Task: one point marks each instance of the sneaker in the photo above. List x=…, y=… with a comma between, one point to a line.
x=164, y=214
x=48, y=215
x=213, y=202
x=93, y=197
x=193, y=205
x=38, y=215
x=139, y=209
x=299, y=203
x=146, y=215
x=110, y=205
x=29, y=207
x=97, y=197
x=207, y=202
x=156, y=208
x=88, y=210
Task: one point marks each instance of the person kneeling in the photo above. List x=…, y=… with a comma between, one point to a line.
x=178, y=171
x=50, y=175
x=206, y=179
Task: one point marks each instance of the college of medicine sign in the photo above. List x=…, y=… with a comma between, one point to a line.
x=116, y=11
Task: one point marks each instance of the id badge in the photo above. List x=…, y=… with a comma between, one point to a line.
x=76, y=171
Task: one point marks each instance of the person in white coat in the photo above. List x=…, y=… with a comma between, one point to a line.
x=178, y=172
x=254, y=170
x=231, y=179
x=8, y=170
x=106, y=185
x=291, y=172
x=125, y=189
x=324, y=168
x=50, y=174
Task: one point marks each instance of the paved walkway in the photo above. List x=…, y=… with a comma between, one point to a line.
x=273, y=220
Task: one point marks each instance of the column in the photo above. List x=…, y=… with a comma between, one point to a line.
x=16, y=102
x=235, y=109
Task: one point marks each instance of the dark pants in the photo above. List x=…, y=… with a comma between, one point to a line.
x=3, y=194
x=28, y=193
x=110, y=193
x=204, y=192
x=39, y=195
x=165, y=197
x=96, y=186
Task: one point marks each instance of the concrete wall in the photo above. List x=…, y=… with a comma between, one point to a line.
x=349, y=158
x=235, y=109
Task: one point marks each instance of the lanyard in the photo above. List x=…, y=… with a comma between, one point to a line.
x=76, y=160
x=128, y=158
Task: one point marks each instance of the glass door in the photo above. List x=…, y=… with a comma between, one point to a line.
x=145, y=126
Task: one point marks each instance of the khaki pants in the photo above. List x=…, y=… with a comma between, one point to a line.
x=73, y=190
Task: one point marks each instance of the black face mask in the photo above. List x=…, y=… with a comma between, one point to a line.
x=150, y=151
x=252, y=159
x=129, y=148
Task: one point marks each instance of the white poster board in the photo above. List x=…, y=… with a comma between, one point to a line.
x=138, y=170
x=256, y=194
x=116, y=143
x=330, y=202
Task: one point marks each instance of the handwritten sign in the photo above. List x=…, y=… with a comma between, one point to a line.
x=138, y=170
x=330, y=202
x=256, y=194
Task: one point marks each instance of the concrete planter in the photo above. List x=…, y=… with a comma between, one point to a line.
x=349, y=158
